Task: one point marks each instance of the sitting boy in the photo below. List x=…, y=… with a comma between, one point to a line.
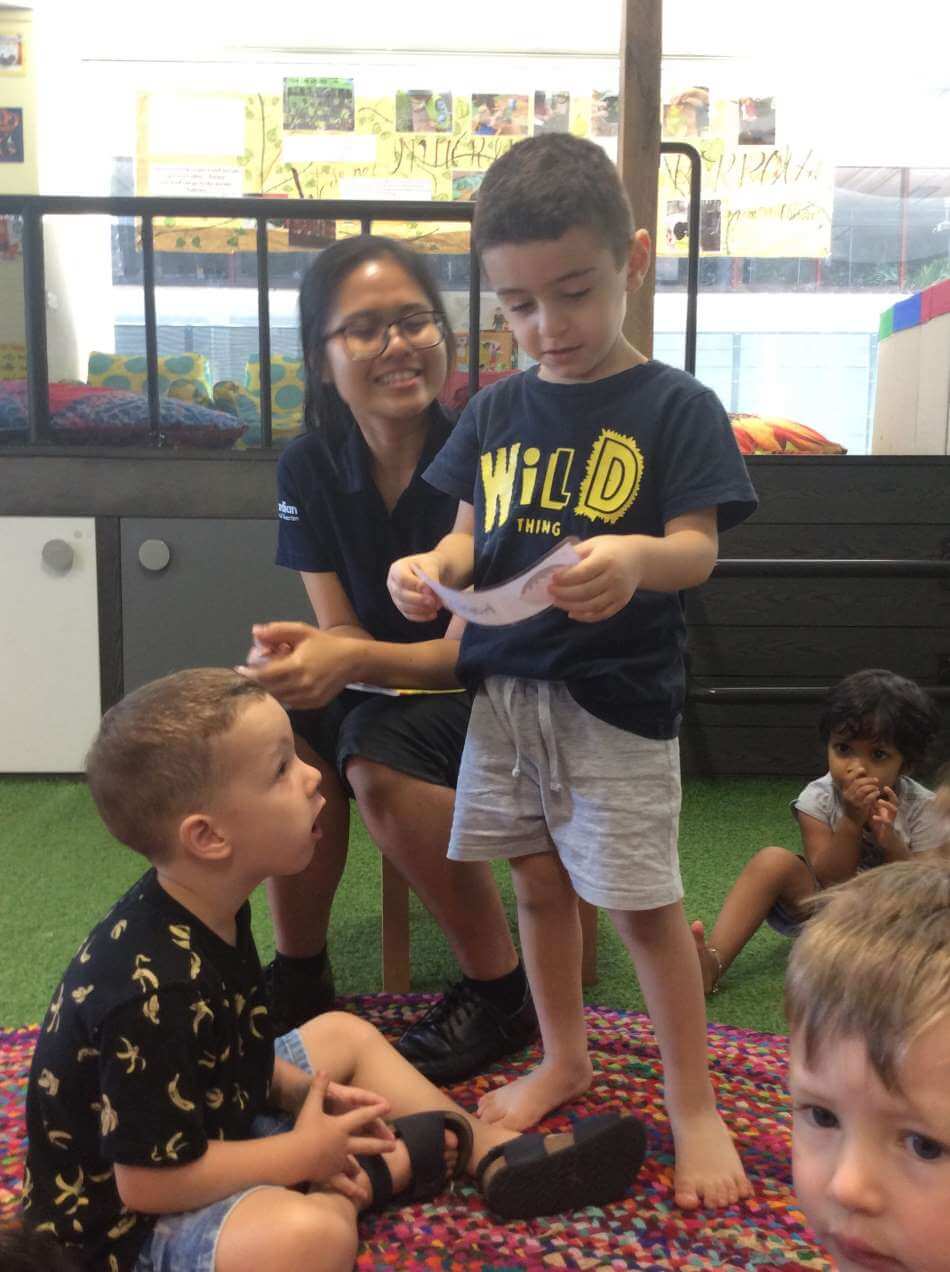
x=149, y=1141
x=868, y=999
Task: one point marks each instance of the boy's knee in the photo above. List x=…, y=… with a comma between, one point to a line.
x=313, y=1235
x=340, y=1026
x=774, y=859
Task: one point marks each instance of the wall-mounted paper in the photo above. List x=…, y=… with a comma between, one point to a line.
x=196, y=124
x=193, y=179
x=329, y=148
x=384, y=188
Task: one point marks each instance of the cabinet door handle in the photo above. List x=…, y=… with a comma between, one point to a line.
x=58, y=556
x=154, y=555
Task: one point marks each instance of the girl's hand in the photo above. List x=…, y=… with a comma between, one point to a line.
x=859, y=794
x=328, y=1142
x=882, y=822
x=300, y=665
x=602, y=582
x=413, y=598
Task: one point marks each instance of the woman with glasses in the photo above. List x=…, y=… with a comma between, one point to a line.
x=351, y=500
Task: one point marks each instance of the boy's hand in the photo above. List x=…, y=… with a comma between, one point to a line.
x=411, y=596
x=859, y=794
x=329, y=1142
x=602, y=582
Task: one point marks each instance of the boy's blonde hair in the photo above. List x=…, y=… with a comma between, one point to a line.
x=874, y=963
x=153, y=760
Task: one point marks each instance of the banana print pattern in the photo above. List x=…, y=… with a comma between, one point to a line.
x=157, y=1041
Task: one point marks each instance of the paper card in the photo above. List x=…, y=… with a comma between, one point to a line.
x=195, y=124
x=513, y=601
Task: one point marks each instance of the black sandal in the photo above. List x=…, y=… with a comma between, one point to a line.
x=590, y=1165
x=424, y=1137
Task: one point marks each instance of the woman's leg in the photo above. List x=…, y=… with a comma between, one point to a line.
x=410, y=820
x=773, y=874
x=550, y=931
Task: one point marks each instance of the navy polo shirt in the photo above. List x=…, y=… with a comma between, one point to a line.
x=332, y=519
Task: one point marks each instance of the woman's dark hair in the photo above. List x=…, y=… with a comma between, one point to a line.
x=875, y=703
x=323, y=406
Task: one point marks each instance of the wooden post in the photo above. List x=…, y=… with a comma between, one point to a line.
x=641, y=43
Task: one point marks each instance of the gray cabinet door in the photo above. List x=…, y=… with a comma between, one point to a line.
x=191, y=603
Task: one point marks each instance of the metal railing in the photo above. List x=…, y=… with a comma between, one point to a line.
x=33, y=208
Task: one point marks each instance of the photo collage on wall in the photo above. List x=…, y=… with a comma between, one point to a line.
x=426, y=139
x=762, y=194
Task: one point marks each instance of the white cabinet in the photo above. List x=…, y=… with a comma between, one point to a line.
x=49, y=638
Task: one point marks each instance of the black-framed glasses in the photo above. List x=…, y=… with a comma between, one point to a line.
x=365, y=338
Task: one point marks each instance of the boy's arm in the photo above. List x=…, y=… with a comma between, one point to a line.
x=614, y=566
x=832, y=854
x=451, y=561
x=319, y=1148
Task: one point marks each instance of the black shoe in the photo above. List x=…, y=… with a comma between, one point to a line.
x=463, y=1033
x=293, y=997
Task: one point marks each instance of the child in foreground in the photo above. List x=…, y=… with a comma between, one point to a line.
x=571, y=763
x=150, y=1144
x=877, y=727
x=867, y=994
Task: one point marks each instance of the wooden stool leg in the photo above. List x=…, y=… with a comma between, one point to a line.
x=588, y=915
x=395, y=929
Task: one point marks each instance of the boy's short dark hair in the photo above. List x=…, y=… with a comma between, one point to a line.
x=152, y=762
x=547, y=185
x=874, y=963
x=875, y=703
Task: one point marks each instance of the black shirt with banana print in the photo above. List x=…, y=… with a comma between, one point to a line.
x=157, y=1040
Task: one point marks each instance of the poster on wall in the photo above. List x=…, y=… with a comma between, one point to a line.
x=420, y=110
x=762, y=194
x=11, y=53
x=318, y=105
x=11, y=134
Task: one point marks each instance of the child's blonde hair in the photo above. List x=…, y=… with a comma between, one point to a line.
x=153, y=760
x=874, y=963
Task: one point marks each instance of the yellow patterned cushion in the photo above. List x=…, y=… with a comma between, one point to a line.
x=12, y=362
x=117, y=371
x=287, y=386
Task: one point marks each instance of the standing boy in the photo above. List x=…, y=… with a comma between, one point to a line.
x=150, y=1147
x=571, y=767
x=867, y=995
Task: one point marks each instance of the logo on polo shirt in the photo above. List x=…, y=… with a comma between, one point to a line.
x=287, y=511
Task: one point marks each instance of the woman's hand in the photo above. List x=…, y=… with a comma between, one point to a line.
x=413, y=598
x=299, y=664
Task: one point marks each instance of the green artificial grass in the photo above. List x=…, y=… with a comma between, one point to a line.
x=60, y=870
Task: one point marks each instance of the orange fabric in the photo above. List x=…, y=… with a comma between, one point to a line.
x=771, y=435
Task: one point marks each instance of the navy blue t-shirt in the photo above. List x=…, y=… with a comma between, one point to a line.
x=332, y=519
x=623, y=455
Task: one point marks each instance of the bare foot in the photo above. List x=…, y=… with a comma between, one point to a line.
x=709, y=963
x=708, y=1170
x=525, y=1101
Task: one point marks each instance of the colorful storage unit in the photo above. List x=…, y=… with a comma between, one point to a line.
x=912, y=407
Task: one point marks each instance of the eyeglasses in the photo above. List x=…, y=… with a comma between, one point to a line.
x=366, y=338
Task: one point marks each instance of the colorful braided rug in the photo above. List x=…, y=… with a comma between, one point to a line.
x=644, y=1230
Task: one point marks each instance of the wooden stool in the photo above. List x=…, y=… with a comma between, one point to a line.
x=395, y=898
